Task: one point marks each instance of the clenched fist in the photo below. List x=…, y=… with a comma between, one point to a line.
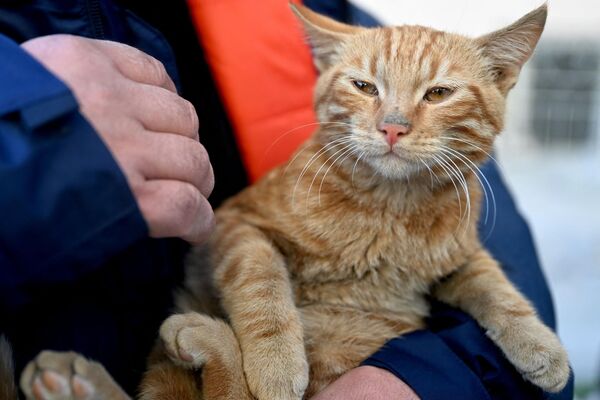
x=151, y=131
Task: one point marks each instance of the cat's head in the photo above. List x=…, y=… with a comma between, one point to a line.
x=403, y=98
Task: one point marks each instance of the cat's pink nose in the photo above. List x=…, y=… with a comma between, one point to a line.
x=393, y=132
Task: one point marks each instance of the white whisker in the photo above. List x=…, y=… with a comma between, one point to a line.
x=346, y=154
x=477, y=171
x=470, y=143
x=355, y=164
x=451, y=177
x=464, y=185
x=344, y=147
x=332, y=144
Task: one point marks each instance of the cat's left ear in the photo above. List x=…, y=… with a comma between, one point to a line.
x=325, y=34
x=509, y=48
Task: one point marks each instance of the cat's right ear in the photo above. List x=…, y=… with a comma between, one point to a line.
x=325, y=35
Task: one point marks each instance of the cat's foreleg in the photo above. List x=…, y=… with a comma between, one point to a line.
x=256, y=294
x=481, y=289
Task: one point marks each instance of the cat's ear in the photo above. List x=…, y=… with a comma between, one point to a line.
x=325, y=35
x=509, y=48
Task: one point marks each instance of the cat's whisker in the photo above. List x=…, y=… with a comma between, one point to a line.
x=343, y=141
x=346, y=154
x=461, y=156
x=471, y=143
x=465, y=184
x=453, y=173
x=332, y=144
x=344, y=148
x=354, y=167
x=431, y=174
x=278, y=139
x=465, y=187
x=300, y=152
x=298, y=155
x=450, y=176
x=477, y=171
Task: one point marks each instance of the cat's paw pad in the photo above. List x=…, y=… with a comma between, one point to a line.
x=60, y=376
x=191, y=339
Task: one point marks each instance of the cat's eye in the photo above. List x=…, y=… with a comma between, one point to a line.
x=437, y=94
x=366, y=87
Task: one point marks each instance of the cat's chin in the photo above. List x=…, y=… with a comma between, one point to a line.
x=392, y=166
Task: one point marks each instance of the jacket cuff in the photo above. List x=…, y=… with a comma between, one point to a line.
x=425, y=363
x=25, y=83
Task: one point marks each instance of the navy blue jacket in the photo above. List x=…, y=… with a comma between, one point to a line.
x=77, y=270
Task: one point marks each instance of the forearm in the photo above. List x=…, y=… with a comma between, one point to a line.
x=65, y=204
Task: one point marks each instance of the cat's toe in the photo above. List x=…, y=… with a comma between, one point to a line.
x=50, y=376
x=49, y=385
x=67, y=376
x=538, y=354
x=552, y=372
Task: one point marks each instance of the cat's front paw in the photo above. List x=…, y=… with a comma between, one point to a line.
x=276, y=373
x=68, y=376
x=537, y=353
x=192, y=339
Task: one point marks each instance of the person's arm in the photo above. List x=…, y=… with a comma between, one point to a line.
x=64, y=203
x=66, y=206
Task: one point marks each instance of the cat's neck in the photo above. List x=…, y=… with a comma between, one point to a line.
x=360, y=182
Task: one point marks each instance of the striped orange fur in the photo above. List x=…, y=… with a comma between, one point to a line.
x=328, y=257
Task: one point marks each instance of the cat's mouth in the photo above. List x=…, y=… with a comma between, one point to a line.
x=394, y=153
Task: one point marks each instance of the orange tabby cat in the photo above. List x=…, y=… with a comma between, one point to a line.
x=325, y=259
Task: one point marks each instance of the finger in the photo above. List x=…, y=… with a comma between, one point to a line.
x=175, y=209
x=137, y=65
x=166, y=156
x=162, y=111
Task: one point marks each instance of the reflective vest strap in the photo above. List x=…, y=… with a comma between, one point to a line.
x=263, y=68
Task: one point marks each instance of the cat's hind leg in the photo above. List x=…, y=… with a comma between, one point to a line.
x=164, y=380
x=195, y=341
x=68, y=376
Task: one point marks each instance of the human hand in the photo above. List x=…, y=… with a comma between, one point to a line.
x=367, y=383
x=152, y=132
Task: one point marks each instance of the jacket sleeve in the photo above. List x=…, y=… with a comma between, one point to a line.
x=453, y=358
x=65, y=206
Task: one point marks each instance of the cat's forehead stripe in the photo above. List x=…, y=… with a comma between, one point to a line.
x=387, y=44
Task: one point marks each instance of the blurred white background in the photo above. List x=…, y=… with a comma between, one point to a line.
x=549, y=151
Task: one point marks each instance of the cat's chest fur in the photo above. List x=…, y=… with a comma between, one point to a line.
x=376, y=263
x=367, y=254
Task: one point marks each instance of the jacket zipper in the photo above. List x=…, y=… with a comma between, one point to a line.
x=94, y=13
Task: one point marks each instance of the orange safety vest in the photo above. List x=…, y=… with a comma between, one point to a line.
x=263, y=69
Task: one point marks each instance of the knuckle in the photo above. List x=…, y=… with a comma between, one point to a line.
x=202, y=168
x=155, y=69
x=191, y=115
x=69, y=42
x=188, y=202
x=199, y=156
x=209, y=180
